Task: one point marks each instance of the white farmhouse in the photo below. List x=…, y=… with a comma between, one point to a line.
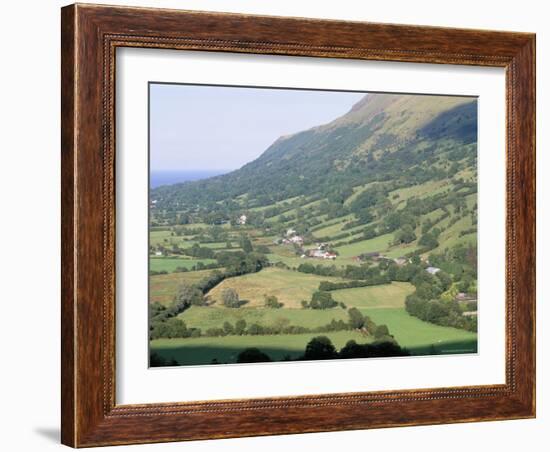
x=290, y=232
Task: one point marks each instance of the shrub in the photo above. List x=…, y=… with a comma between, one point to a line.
x=230, y=298
x=271, y=301
x=252, y=355
x=322, y=300
x=320, y=347
x=381, y=331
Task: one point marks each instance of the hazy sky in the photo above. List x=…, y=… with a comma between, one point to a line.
x=222, y=128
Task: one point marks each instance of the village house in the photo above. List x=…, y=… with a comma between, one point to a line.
x=242, y=220
x=400, y=261
x=321, y=254
x=290, y=232
x=298, y=240
x=433, y=270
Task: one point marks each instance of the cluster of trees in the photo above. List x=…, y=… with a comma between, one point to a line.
x=459, y=261
x=440, y=312
x=240, y=262
x=428, y=240
x=271, y=301
x=197, y=267
x=156, y=360
x=327, y=286
x=281, y=326
x=434, y=298
x=200, y=252
x=363, y=272
x=321, y=347
x=165, y=324
x=230, y=298
x=320, y=300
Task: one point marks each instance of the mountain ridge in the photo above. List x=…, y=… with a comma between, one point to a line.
x=383, y=137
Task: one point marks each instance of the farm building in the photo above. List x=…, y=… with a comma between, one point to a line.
x=401, y=261
x=290, y=232
x=433, y=270
x=321, y=254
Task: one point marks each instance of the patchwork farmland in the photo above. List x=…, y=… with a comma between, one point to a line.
x=355, y=239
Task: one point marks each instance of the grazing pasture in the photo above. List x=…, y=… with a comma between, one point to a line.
x=382, y=296
x=203, y=350
x=290, y=287
x=380, y=243
x=162, y=288
x=422, y=338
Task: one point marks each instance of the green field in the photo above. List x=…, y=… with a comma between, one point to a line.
x=162, y=288
x=203, y=350
x=431, y=187
x=385, y=305
x=290, y=287
x=422, y=337
x=332, y=228
x=382, y=296
x=451, y=237
x=401, y=250
x=380, y=243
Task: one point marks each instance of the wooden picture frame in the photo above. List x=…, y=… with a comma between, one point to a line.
x=90, y=35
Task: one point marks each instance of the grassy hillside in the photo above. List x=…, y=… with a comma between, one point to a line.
x=379, y=194
x=382, y=296
x=421, y=337
x=289, y=287
x=204, y=350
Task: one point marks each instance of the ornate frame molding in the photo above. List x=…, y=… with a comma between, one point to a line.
x=90, y=37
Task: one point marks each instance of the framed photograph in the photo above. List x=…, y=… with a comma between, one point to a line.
x=282, y=225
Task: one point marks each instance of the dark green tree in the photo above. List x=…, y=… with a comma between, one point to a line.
x=246, y=244
x=252, y=355
x=228, y=328
x=240, y=327
x=381, y=331
x=320, y=347
x=271, y=301
x=356, y=319
x=187, y=295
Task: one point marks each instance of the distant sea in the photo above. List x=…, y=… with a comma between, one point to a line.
x=159, y=178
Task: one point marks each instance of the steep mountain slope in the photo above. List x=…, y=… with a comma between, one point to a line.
x=403, y=138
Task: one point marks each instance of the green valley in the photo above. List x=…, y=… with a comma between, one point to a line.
x=361, y=231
